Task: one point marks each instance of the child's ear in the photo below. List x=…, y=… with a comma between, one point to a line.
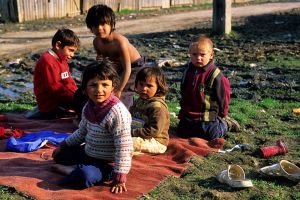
x=212, y=55
x=58, y=45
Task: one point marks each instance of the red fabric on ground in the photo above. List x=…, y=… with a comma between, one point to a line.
x=30, y=172
x=6, y=133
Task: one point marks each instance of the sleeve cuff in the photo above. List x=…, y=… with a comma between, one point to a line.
x=119, y=178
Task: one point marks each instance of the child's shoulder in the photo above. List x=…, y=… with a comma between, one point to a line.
x=119, y=108
x=158, y=102
x=45, y=57
x=115, y=38
x=45, y=54
x=119, y=37
x=214, y=73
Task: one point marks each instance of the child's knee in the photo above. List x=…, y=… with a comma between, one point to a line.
x=89, y=175
x=217, y=131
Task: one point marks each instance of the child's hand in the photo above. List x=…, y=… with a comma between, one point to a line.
x=118, y=188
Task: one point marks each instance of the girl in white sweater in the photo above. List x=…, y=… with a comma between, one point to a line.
x=101, y=148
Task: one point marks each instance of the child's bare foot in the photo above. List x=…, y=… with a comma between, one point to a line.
x=62, y=169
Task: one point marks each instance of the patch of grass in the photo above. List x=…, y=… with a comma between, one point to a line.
x=269, y=103
x=173, y=8
x=127, y=11
x=267, y=121
x=173, y=108
x=199, y=181
x=288, y=61
x=10, y=193
x=188, y=7
x=173, y=123
x=14, y=107
x=244, y=111
x=269, y=116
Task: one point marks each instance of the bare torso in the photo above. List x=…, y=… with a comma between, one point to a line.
x=113, y=47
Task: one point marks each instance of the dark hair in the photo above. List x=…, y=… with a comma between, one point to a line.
x=67, y=38
x=157, y=73
x=101, y=69
x=100, y=14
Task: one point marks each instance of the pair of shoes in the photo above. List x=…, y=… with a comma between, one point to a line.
x=234, y=176
x=280, y=148
x=283, y=169
x=232, y=124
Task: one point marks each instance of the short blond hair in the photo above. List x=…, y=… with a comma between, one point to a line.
x=202, y=40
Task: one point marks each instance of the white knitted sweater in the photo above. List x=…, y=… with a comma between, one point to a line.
x=109, y=139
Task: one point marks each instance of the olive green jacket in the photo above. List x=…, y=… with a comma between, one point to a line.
x=151, y=119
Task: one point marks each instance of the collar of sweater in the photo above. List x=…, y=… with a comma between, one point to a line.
x=96, y=113
x=205, y=68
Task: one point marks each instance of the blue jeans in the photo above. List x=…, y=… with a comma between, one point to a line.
x=206, y=130
x=88, y=172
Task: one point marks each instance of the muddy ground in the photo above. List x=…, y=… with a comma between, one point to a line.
x=37, y=35
x=244, y=57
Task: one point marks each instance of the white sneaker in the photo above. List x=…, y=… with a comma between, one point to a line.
x=284, y=169
x=234, y=176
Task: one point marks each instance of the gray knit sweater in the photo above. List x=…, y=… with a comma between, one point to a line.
x=109, y=139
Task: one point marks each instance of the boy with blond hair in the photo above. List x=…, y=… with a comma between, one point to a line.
x=205, y=95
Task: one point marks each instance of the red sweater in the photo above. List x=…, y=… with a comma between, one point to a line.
x=53, y=84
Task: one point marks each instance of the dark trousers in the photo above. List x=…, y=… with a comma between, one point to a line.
x=206, y=130
x=62, y=110
x=88, y=172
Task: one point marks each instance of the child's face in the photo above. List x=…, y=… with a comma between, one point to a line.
x=147, y=89
x=99, y=90
x=102, y=31
x=201, y=55
x=67, y=52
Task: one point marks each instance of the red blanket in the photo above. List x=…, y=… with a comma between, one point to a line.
x=30, y=172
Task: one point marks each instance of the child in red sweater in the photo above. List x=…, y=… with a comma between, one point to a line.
x=54, y=88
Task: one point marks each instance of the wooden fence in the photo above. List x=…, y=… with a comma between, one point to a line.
x=118, y=5
x=27, y=10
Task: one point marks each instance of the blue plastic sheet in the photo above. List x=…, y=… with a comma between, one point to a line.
x=33, y=141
